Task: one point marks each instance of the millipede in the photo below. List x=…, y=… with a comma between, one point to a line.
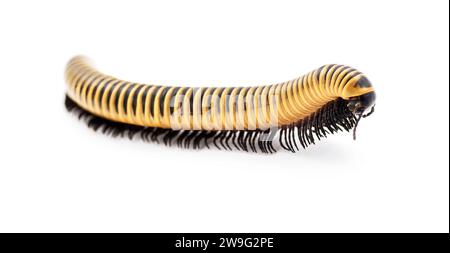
x=290, y=115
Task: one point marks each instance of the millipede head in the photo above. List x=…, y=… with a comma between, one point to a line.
x=363, y=104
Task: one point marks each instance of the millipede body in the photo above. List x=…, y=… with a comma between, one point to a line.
x=290, y=115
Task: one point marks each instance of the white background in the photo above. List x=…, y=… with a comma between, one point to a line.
x=56, y=175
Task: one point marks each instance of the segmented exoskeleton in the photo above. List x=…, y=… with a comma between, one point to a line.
x=291, y=114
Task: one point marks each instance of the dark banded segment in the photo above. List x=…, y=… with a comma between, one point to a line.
x=134, y=99
x=117, y=96
x=126, y=93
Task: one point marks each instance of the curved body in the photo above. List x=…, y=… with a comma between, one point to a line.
x=213, y=108
x=322, y=101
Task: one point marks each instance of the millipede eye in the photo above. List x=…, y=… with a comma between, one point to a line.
x=352, y=105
